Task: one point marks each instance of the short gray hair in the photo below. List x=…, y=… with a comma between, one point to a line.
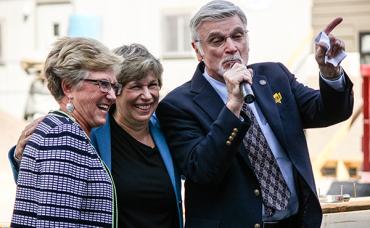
x=138, y=62
x=214, y=11
x=71, y=60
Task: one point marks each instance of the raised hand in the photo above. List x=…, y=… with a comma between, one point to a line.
x=336, y=46
x=25, y=136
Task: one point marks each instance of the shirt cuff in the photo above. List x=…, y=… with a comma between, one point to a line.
x=338, y=83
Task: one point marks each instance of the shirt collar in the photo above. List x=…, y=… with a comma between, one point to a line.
x=220, y=87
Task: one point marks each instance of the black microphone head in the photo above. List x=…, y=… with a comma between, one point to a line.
x=249, y=98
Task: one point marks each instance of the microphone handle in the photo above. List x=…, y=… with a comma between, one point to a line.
x=247, y=92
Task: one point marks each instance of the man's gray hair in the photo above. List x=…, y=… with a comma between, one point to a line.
x=214, y=11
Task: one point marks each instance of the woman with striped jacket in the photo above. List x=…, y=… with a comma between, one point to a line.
x=62, y=181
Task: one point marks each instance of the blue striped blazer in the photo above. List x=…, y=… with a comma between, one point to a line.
x=62, y=181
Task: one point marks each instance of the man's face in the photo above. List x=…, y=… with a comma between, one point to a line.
x=221, y=44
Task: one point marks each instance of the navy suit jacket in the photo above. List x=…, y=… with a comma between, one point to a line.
x=221, y=189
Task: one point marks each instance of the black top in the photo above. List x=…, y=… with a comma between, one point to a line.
x=144, y=190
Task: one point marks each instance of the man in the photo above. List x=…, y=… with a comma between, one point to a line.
x=249, y=166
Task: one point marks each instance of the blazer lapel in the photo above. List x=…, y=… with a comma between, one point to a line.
x=101, y=139
x=161, y=144
x=266, y=103
x=210, y=102
x=207, y=99
x=164, y=151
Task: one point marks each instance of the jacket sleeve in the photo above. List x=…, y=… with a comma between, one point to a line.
x=13, y=164
x=54, y=181
x=324, y=107
x=203, y=150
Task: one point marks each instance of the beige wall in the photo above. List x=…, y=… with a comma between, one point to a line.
x=356, y=17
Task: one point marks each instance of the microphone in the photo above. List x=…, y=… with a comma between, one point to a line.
x=247, y=92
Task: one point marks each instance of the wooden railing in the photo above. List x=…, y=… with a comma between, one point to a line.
x=354, y=213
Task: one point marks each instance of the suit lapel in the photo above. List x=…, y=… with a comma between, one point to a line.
x=207, y=98
x=103, y=142
x=211, y=103
x=164, y=151
x=267, y=105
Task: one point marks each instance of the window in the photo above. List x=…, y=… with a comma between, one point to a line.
x=176, y=36
x=56, y=29
x=365, y=47
x=50, y=23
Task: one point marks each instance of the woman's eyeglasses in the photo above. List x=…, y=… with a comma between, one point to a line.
x=105, y=86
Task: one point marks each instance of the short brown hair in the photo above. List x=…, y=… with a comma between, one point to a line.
x=138, y=62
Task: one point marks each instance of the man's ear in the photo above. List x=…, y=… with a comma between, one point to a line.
x=197, y=51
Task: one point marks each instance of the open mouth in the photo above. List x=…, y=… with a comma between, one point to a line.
x=103, y=107
x=143, y=107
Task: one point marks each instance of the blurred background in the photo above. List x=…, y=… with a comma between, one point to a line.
x=280, y=31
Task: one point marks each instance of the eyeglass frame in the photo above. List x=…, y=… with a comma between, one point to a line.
x=224, y=39
x=117, y=87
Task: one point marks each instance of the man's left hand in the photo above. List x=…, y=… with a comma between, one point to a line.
x=327, y=69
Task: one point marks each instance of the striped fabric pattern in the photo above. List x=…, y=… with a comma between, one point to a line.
x=62, y=181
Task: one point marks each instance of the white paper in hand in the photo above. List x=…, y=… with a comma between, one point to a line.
x=324, y=39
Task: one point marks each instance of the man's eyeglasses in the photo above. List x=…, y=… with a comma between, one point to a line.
x=218, y=40
x=105, y=86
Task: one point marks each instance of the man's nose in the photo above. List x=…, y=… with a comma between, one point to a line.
x=230, y=45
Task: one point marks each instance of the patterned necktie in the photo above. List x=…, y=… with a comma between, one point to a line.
x=275, y=192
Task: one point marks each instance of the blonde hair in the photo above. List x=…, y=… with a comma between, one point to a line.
x=71, y=60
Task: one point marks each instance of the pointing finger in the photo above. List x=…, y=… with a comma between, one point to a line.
x=332, y=25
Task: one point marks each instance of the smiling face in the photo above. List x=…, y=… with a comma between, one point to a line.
x=220, y=58
x=138, y=101
x=91, y=104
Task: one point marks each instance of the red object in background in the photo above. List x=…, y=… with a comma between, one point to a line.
x=365, y=72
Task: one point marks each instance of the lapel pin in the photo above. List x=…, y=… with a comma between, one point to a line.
x=262, y=82
x=277, y=97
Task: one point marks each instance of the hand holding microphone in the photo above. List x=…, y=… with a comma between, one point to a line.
x=238, y=80
x=245, y=86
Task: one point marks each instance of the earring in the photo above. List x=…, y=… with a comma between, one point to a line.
x=69, y=106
